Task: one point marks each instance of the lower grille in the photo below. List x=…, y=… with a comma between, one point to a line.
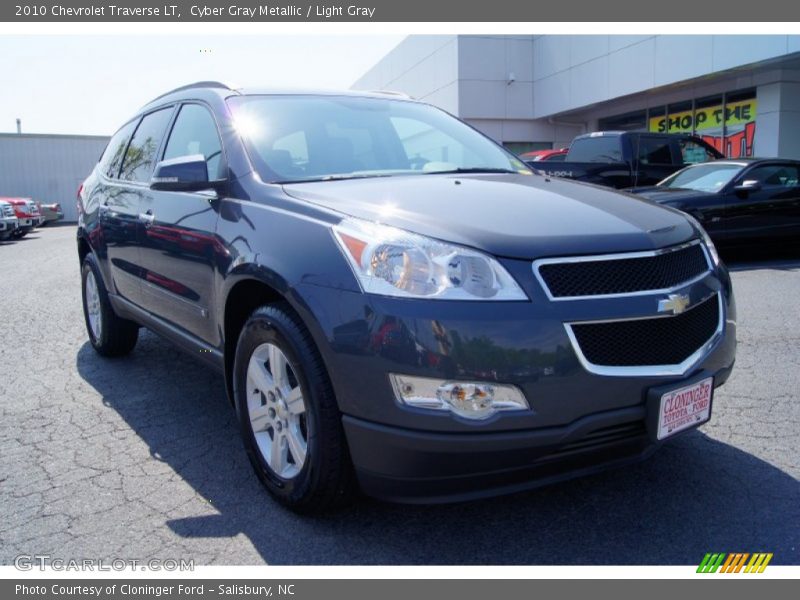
x=649, y=342
x=600, y=438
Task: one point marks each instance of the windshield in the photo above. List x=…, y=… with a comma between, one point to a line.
x=702, y=178
x=312, y=138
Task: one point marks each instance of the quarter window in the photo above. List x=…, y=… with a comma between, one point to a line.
x=195, y=132
x=140, y=157
x=596, y=149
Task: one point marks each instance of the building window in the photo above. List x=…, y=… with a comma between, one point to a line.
x=726, y=121
x=633, y=121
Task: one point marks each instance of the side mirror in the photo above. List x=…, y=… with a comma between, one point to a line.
x=747, y=186
x=182, y=174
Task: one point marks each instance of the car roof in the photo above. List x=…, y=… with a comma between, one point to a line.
x=205, y=90
x=749, y=161
x=616, y=133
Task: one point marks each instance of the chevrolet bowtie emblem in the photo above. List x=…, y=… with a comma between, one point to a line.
x=674, y=303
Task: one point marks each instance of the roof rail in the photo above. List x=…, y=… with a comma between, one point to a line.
x=391, y=93
x=196, y=84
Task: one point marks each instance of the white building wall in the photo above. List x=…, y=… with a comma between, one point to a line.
x=574, y=71
x=423, y=66
x=518, y=88
x=48, y=168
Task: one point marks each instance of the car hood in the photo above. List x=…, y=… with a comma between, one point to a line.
x=662, y=194
x=515, y=216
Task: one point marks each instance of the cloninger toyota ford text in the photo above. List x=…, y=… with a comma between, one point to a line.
x=397, y=303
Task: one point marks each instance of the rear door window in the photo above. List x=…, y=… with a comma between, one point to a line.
x=140, y=158
x=653, y=151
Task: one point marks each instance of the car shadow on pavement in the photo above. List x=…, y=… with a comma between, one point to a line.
x=696, y=495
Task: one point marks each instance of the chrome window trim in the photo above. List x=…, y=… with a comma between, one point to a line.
x=621, y=256
x=650, y=370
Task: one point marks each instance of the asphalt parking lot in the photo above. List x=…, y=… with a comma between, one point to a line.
x=140, y=458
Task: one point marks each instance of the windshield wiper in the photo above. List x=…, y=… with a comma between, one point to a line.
x=334, y=177
x=471, y=170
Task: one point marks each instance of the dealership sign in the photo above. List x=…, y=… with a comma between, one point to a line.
x=710, y=117
x=730, y=128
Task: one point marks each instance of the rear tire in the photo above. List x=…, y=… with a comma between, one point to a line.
x=109, y=334
x=289, y=418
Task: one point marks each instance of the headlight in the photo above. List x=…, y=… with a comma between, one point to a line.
x=394, y=262
x=712, y=249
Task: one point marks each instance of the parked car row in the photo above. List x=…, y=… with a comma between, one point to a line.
x=20, y=216
x=737, y=201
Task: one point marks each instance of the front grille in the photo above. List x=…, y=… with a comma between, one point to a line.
x=646, y=342
x=624, y=275
x=8, y=211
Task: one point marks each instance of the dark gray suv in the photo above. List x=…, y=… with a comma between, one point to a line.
x=396, y=302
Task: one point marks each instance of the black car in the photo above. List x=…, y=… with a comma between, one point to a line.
x=622, y=159
x=738, y=202
x=395, y=301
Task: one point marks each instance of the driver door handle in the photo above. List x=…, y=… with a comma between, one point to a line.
x=147, y=217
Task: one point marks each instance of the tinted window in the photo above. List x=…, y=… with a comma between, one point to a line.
x=596, y=149
x=140, y=157
x=774, y=175
x=112, y=157
x=654, y=151
x=314, y=137
x=195, y=132
x=692, y=152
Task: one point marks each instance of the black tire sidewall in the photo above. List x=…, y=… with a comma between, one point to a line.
x=89, y=265
x=273, y=326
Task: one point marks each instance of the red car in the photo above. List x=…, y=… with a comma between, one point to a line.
x=28, y=214
x=556, y=154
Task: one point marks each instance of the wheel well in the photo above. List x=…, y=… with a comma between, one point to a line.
x=83, y=249
x=242, y=300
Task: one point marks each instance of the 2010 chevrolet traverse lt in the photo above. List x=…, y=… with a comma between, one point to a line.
x=396, y=302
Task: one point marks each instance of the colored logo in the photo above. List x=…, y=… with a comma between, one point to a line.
x=735, y=562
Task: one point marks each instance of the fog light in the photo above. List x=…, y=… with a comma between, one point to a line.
x=469, y=399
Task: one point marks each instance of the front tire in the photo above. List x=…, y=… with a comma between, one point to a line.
x=109, y=334
x=288, y=415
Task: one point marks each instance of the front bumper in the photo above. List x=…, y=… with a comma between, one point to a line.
x=580, y=421
x=402, y=465
x=7, y=226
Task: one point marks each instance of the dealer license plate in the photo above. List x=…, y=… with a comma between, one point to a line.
x=685, y=407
